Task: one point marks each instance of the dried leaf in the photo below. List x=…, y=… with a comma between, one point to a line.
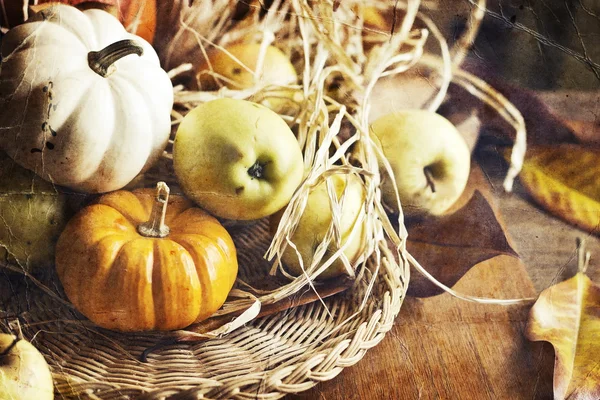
x=450, y=246
x=568, y=316
x=565, y=180
x=586, y=131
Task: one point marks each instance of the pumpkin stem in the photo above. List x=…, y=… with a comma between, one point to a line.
x=101, y=61
x=155, y=227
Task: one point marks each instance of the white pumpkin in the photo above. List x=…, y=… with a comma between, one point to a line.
x=78, y=112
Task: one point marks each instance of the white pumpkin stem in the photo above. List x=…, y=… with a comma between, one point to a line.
x=101, y=61
x=155, y=227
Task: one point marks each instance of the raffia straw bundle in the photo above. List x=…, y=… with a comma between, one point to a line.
x=291, y=351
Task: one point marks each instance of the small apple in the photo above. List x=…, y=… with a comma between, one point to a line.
x=315, y=222
x=429, y=158
x=33, y=213
x=237, y=159
x=276, y=70
x=24, y=374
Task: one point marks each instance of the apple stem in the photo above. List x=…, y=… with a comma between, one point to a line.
x=429, y=178
x=10, y=347
x=155, y=227
x=257, y=170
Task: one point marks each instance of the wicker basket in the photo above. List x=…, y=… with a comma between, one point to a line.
x=269, y=356
x=287, y=352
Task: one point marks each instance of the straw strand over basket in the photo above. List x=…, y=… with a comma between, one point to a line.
x=293, y=350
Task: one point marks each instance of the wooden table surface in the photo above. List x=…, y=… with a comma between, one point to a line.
x=445, y=348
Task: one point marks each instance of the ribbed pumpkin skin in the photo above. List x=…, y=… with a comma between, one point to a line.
x=123, y=281
x=66, y=122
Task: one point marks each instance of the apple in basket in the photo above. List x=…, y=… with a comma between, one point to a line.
x=33, y=212
x=429, y=158
x=24, y=374
x=237, y=159
x=277, y=69
x=316, y=220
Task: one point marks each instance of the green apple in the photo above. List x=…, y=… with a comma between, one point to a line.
x=429, y=158
x=24, y=374
x=237, y=159
x=32, y=215
x=315, y=222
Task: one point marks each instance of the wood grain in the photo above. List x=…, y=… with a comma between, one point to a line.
x=445, y=348
x=442, y=347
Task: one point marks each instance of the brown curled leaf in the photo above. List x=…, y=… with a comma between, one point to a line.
x=449, y=246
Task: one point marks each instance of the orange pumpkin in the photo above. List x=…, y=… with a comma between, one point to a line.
x=138, y=16
x=142, y=260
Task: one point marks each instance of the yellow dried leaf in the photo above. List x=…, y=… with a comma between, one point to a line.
x=565, y=180
x=568, y=316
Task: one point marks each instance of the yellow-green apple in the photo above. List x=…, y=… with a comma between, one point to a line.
x=237, y=159
x=317, y=218
x=24, y=374
x=277, y=69
x=429, y=158
x=33, y=213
